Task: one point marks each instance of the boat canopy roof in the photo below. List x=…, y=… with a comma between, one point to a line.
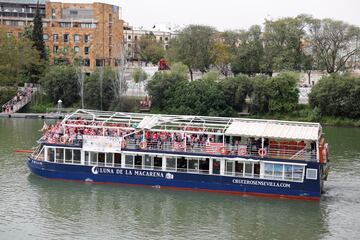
x=199, y=124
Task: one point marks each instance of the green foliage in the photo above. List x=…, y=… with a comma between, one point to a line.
x=333, y=43
x=283, y=43
x=193, y=47
x=337, y=95
x=60, y=82
x=100, y=91
x=149, y=49
x=163, y=84
x=211, y=75
x=278, y=94
x=248, y=57
x=17, y=56
x=187, y=100
x=6, y=94
x=37, y=34
x=139, y=75
x=236, y=90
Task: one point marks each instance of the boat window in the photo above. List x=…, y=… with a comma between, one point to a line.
x=101, y=159
x=269, y=170
x=87, y=160
x=298, y=172
x=181, y=164
x=138, y=161
x=68, y=155
x=59, y=155
x=204, y=166
x=288, y=170
x=129, y=161
x=51, y=154
x=117, y=159
x=216, y=166
x=93, y=158
x=157, y=162
x=171, y=163
x=248, y=169
x=278, y=171
x=229, y=167
x=193, y=165
x=109, y=159
x=148, y=163
x=239, y=168
x=284, y=171
x=256, y=169
x=77, y=156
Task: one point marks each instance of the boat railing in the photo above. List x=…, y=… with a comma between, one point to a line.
x=242, y=150
x=277, y=151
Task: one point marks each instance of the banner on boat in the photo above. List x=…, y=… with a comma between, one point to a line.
x=102, y=143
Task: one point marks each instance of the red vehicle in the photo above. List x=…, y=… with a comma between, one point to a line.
x=163, y=65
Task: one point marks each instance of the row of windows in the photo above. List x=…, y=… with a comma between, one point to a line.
x=66, y=38
x=284, y=171
x=160, y=38
x=275, y=171
x=61, y=155
x=76, y=49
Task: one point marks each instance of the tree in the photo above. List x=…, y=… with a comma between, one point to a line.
x=60, y=83
x=99, y=89
x=249, y=54
x=185, y=99
x=236, y=90
x=193, y=48
x=149, y=49
x=222, y=57
x=278, y=94
x=163, y=84
x=37, y=33
x=139, y=76
x=337, y=95
x=333, y=43
x=16, y=58
x=283, y=41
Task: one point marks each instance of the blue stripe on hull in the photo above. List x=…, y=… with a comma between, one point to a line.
x=175, y=180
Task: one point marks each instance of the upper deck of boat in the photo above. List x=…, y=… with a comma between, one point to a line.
x=191, y=134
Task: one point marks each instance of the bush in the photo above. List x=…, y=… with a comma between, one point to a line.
x=337, y=95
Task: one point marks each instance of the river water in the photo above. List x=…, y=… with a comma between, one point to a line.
x=35, y=208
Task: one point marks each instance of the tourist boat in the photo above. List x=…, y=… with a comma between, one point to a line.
x=216, y=154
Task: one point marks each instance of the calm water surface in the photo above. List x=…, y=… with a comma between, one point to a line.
x=36, y=208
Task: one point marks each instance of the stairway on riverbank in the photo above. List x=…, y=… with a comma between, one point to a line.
x=21, y=99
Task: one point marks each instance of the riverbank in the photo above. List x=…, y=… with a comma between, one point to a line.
x=33, y=115
x=326, y=120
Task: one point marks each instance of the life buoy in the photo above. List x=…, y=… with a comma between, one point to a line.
x=223, y=150
x=242, y=152
x=63, y=140
x=262, y=152
x=143, y=145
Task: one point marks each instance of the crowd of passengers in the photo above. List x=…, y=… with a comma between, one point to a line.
x=162, y=140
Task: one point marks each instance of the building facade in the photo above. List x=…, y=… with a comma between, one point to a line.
x=162, y=33
x=90, y=34
x=15, y=15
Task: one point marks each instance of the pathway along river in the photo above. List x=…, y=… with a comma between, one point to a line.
x=36, y=208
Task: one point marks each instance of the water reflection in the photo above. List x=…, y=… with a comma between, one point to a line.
x=140, y=212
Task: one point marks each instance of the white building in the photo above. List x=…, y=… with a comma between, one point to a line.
x=162, y=32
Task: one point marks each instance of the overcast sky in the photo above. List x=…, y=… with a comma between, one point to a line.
x=230, y=14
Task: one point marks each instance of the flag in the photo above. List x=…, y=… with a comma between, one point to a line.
x=213, y=148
